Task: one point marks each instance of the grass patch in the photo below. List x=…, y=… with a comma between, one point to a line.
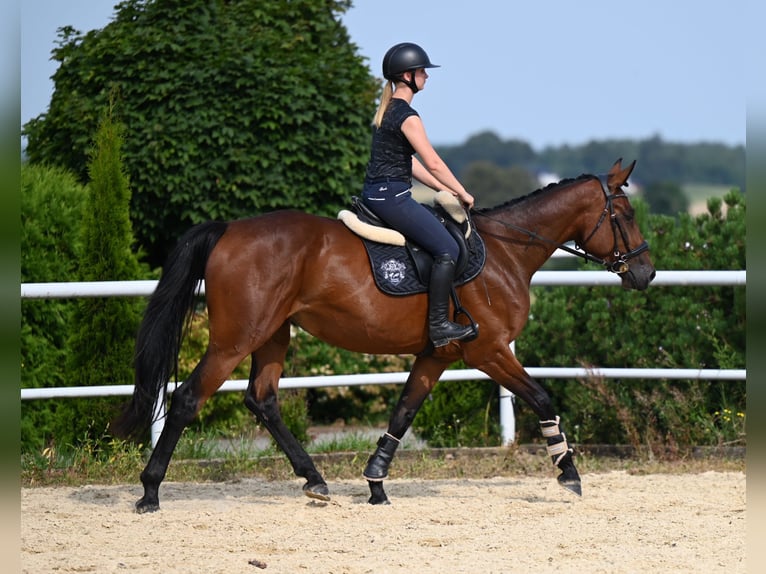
x=122, y=463
x=347, y=442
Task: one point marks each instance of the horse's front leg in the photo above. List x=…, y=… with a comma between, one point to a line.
x=562, y=455
x=425, y=372
x=261, y=399
x=506, y=370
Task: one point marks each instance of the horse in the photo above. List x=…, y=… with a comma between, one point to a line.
x=265, y=273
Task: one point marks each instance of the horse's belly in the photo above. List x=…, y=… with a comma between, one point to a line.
x=369, y=334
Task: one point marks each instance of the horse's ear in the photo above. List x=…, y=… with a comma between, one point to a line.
x=619, y=176
x=629, y=170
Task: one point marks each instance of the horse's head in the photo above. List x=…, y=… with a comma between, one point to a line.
x=620, y=242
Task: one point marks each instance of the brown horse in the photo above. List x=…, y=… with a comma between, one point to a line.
x=265, y=273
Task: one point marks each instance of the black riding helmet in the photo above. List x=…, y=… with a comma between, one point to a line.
x=402, y=58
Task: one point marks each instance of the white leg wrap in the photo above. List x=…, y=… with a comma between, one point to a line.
x=550, y=428
x=557, y=449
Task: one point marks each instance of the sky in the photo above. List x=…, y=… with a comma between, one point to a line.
x=549, y=73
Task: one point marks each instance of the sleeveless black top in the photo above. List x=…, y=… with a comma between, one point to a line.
x=391, y=156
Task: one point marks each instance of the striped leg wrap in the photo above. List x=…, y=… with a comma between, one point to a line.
x=557, y=441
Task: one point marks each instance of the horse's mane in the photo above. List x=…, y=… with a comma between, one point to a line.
x=547, y=188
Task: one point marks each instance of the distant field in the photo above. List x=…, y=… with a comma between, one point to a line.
x=699, y=193
x=702, y=191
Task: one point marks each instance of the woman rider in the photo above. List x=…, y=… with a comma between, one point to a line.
x=399, y=134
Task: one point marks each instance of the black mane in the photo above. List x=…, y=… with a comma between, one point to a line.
x=550, y=186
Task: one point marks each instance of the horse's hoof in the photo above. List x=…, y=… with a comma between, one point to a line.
x=574, y=486
x=376, y=501
x=143, y=506
x=317, y=491
x=378, y=495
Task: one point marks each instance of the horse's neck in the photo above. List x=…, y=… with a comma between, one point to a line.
x=557, y=215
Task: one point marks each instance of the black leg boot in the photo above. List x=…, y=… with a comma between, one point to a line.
x=440, y=329
x=377, y=465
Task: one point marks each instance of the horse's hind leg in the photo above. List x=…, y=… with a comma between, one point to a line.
x=425, y=372
x=261, y=399
x=186, y=401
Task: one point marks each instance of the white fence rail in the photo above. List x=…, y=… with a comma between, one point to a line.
x=549, y=278
x=546, y=278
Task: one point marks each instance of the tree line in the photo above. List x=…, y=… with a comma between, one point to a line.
x=497, y=170
x=658, y=160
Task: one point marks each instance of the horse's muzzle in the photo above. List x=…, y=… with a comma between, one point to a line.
x=637, y=276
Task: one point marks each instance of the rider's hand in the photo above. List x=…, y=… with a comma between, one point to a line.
x=467, y=199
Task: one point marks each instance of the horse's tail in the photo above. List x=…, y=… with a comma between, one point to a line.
x=162, y=328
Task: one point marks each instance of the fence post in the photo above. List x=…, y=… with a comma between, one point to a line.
x=507, y=417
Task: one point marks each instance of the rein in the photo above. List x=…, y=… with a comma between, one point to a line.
x=620, y=264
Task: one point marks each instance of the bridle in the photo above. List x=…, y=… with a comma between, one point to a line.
x=620, y=264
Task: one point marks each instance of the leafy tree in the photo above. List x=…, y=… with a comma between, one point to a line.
x=493, y=185
x=234, y=108
x=710, y=163
x=52, y=203
x=100, y=347
x=666, y=198
x=487, y=146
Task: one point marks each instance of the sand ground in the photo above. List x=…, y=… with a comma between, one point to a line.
x=623, y=523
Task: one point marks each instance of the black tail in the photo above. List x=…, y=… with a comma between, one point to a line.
x=161, y=331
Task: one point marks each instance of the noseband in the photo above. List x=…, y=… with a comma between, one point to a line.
x=620, y=264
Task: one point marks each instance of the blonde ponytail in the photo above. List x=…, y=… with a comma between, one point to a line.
x=385, y=98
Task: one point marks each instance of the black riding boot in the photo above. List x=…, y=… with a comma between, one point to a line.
x=440, y=329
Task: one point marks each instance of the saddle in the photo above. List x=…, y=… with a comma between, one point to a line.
x=401, y=267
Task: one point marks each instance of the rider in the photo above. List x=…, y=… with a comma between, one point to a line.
x=398, y=134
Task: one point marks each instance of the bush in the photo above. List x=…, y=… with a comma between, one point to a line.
x=460, y=413
x=51, y=206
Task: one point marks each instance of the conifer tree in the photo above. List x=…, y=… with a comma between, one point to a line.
x=103, y=328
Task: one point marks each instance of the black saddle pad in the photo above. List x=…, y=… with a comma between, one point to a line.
x=404, y=270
